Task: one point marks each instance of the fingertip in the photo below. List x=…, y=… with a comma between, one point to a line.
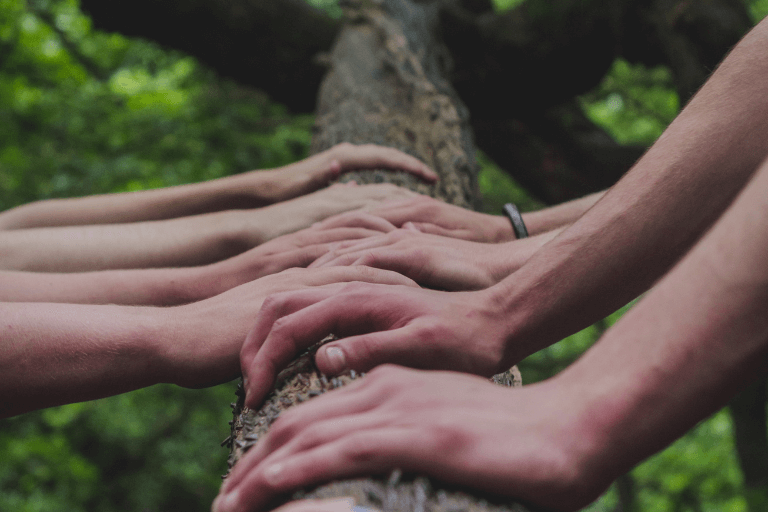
x=331, y=359
x=335, y=168
x=226, y=502
x=430, y=174
x=410, y=226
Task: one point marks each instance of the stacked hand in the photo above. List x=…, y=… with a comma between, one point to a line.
x=205, y=338
x=429, y=215
x=431, y=260
x=462, y=331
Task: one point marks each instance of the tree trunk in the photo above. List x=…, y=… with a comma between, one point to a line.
x=385, y=85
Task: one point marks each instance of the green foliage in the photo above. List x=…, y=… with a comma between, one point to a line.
x=153, y=449
x=633, y=103
x=498, y=188
x=503, y=5
x=329, y=6
x=758, y=9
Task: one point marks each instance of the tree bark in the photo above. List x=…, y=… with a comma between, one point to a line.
x=385, y=85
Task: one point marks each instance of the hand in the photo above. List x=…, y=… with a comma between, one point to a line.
x=430, y=260
x=319, y=170
x=399, y=324
x=529, y=443
x=289, y=216
x=436, y=217
x=297, y=249
x=206, y=336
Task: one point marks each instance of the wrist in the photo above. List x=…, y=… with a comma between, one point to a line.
x=586, y=467
x=199, y=343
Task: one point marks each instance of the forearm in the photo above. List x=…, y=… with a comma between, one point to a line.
x=250, y=190
x=548, y=219
x=135, y=287
x=53, y=354
x=508, y=257
x=697, y=338
x=648, y=220
x=187, y=241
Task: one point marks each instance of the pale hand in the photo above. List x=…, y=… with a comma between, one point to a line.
x=319, y=170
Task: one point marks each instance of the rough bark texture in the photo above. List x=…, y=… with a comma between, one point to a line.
x=518, y=71
x=385, y=85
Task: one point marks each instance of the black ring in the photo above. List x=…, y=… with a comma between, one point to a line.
x=518, y=226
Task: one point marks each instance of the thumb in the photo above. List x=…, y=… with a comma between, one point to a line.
x=364, y=352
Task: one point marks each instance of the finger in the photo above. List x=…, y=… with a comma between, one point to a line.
x=312, y=236
x=300, y=257
x=257, y=376
x=433, y=229
x=304, y=427
x=356, y=248
x=293, y=324
x=333, y=275
x=369, y=156
x=289, y=323
x=331, y=259
x=355, y=219
x=365, y=351
x=371, y=451
x=403, y=263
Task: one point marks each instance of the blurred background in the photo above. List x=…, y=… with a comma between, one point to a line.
x=84, y=111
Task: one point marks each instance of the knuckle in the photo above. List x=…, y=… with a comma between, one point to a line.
x=272, y=303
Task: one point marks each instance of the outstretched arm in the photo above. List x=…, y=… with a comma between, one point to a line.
x=253, y=189
x=53, y=354
x=617, y=250
x=186, y=241
x=696, y=339
x=173, y=286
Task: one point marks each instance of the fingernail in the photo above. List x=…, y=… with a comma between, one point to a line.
x=226, y=502
x=336, y=359
x=272, y=473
